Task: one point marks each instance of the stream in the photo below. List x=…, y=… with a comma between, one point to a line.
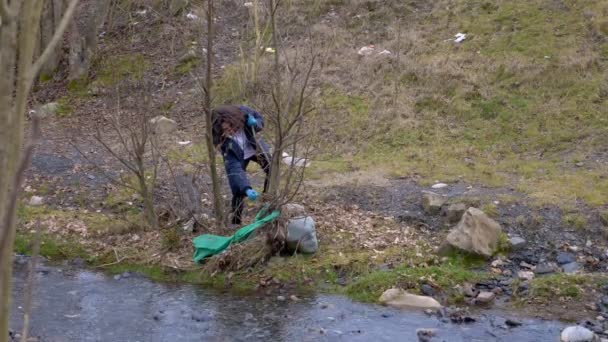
x=83, y=305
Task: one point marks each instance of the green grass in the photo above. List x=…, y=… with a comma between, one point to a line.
x=558, y=285
x=576, y=221
x=446, y=275
x=52, y=248
x=112, y=69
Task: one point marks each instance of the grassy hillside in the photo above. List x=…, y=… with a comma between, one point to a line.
x=521, y=102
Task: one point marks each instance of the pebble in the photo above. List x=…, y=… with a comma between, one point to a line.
x=565, y=258
x=545, y=268
x=485, y=297
x=248, y=316
x=513, y=323
x=281, y=298
x=517, y=243
x=117, y=277
x=571, y=268
x=427, y=290
x=526, y=275
x=36, y=201
x=294, y=298
x=425, y=335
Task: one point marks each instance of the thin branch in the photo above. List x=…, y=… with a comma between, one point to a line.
x=63, y=24
x=30, y=285
x=18, y=181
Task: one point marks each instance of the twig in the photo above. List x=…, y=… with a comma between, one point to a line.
x=29, y=290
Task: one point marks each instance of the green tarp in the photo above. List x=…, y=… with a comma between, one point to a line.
x=207, y=245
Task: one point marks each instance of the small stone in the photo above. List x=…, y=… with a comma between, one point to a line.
x=125, y=275
x=600, y=318
x=565, y=258
x=571, y=268
x=525, y=275
x=36, y=201
x=427, y=290
x=163, y=125
x=577, y=334
x=425, y=335
x=512, y=323
x=469, y=291
x=432, y=202
x=294, y=298
x=580, y=164
x=438, y=185
x=430, y=312
x=517, y=243
x=545, y=268
x=498, y=263
x=281, y=298
x=117, y=277
x=485, y=297
x=248, y=316
x=455, y=211
x=526, y=265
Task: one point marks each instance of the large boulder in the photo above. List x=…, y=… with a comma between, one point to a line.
x=301, y=235
x=400, y=299
x=432, y=202
x=475, y=233
x=163, y=125
x=578, y=334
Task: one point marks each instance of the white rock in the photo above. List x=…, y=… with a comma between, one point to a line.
x=577, y=334
x=366, y=50
x=439, y=186
x=432, y=202
x=163, y=125
x=525, y=275
x=485, y=297
x=36, y=201
x=398, y=298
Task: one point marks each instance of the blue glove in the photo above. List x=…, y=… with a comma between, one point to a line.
x=251, y=121
x=252, y=194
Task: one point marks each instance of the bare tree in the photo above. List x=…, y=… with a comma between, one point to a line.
x=19, y=24
x=132, y=124
x=207, y=91
x=290, y=94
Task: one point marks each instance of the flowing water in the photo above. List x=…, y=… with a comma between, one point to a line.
x=81, y=305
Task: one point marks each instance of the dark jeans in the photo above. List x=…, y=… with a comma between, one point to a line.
x=237, y=199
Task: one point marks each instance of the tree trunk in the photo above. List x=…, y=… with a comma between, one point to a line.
x=217, y=195
x=275, y=165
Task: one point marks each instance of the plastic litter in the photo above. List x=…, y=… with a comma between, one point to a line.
x=183, y=143
x=439, y=186
x=385, y=53
x=192, y=16
x=301, y=235
x=299, y=162
x=459, y=37
x=248, y=4
x=366, y=50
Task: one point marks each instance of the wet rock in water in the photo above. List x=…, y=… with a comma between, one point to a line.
x=517, y=243
x=475, y=233
x=512, y=323
x=117, y=277
x=577, y=334
x=427, y=290
x=432, y=202
x=281, y=298
x=571, y=268
x=248, y=316
x=125, y=275
x=455, y=211
x=400, y=299
x=545, y=268
x=485, y=297
x=565, y=258
x=425, y=335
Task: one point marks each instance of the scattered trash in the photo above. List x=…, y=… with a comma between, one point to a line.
x=183, y=143
x=366, y=50
x=459, y=37
x=248, y=4
x=270, y=50
x=439, y=186
x=142, y=12
x=384, y=53
x=192, y=16
x=299, y=162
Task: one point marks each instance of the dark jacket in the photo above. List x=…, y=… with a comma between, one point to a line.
x=234, y=157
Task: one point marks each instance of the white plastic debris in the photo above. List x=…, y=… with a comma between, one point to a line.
x=299, y=162
x=270, y=50
x=366, y=50
x=459, y=37
x=142, y=12
x=384, y=53
x=184, y=143
x=248, y=4
x=439, y=186
x=192, y=16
